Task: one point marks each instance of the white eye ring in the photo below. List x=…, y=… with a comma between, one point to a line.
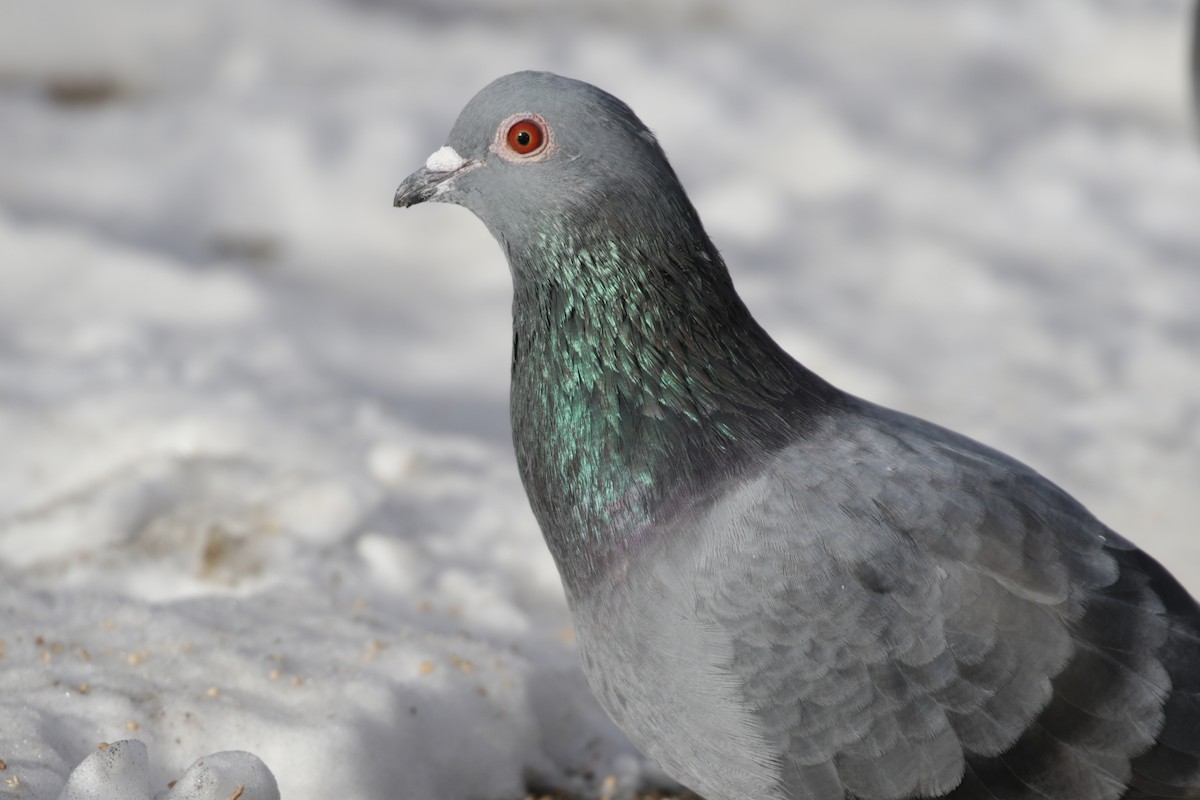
x=503, y=148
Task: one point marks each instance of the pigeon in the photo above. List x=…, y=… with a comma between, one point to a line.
x=781, y=590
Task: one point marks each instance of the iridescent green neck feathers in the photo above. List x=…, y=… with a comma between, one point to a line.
x=639, y=379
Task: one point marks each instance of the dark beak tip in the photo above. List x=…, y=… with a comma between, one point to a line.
x=404, y=196
x=416, y=188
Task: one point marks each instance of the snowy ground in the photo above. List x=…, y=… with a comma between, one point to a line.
x=256, y=491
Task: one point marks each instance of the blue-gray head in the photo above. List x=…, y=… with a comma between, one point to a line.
x=535, y=152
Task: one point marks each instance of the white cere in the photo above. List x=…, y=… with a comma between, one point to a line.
x=444, y=159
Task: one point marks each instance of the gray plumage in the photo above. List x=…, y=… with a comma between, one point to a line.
x=781, y=590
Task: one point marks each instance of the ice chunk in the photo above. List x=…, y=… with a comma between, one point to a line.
x=231, y=775
x=121, y=771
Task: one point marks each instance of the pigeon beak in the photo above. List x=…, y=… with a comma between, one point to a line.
x=434, y=179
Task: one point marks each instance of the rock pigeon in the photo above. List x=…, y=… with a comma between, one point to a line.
x=781, y=590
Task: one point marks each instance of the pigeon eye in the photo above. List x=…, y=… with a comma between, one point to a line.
x=525, y=137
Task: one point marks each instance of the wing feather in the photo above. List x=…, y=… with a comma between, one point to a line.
x=917, y=615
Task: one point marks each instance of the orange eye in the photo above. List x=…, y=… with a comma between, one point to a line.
x=525, y=137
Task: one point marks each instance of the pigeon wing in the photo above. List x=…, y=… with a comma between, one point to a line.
x=913, y=614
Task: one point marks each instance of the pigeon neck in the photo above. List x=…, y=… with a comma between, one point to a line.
x=639, y=383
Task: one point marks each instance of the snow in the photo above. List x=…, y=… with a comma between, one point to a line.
x=257, y=493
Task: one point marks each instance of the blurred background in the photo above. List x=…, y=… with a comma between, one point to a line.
x=228, y=367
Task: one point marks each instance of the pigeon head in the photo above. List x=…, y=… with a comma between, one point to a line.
x=540, y=158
